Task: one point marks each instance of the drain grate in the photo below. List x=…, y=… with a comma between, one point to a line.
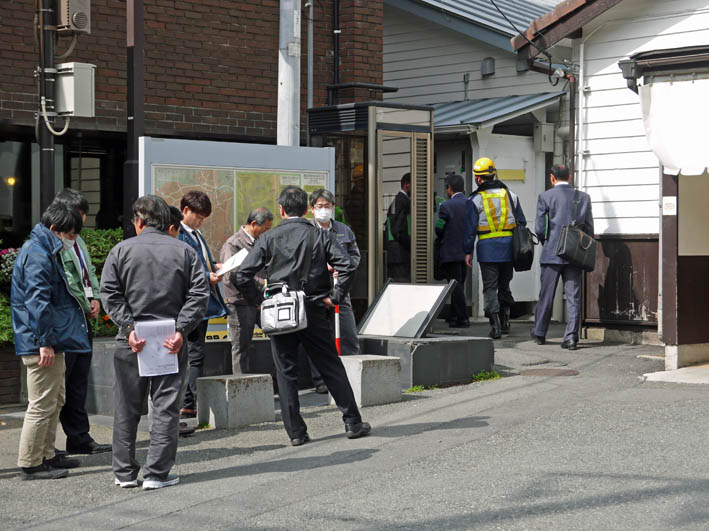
x=549, y=372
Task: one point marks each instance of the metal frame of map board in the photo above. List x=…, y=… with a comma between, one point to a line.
x=232, y=155
x=434, y=307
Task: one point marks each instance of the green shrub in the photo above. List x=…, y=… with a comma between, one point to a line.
x=100, y=242
x=484, y=375
x=6, y=335
x=7, y=264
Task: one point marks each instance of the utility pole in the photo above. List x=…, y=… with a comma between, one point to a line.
x=135, y=46
x=288, y=121
x=46, y=18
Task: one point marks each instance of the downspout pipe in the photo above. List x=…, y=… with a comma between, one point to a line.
x=335, y=51
x=572, y=126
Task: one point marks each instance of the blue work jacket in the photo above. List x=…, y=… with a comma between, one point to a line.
x=44, y=312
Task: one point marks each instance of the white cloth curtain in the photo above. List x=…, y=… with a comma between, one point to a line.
x=676, y=119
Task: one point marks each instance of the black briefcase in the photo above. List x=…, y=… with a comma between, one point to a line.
x=575, y=246
x=523, y=242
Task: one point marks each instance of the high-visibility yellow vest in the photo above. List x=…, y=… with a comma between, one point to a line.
x=504, y=227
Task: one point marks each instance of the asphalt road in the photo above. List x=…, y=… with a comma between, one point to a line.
x=596, y=450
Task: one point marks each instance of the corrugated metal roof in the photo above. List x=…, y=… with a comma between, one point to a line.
x=483, y=12
x=477, y=112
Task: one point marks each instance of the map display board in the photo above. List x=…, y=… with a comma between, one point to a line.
x=234, y=193
x=237, y=177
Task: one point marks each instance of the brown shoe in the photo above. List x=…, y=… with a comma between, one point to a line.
x=186, y=413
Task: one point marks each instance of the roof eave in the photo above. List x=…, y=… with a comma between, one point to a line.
x=455, y=23
x=564, y=20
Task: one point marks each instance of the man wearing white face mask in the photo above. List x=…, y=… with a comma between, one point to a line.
x=47, y=321
x=322, y=205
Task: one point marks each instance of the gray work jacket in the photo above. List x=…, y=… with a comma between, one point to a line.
x=154, y=276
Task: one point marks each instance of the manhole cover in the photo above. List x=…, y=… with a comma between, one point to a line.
x=549, y=372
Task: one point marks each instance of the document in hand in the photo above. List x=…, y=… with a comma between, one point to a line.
x=154, y=359
x=233, y=263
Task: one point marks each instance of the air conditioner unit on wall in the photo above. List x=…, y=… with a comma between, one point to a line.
x=74, y=16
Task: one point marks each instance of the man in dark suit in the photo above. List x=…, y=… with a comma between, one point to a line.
x=450, y=230
x=196, y=207
x=397, y=235
x=554, y=210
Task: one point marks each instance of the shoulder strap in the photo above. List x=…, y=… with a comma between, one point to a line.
x=576, y=208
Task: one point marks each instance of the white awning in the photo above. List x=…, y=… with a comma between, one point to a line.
x=676, y=118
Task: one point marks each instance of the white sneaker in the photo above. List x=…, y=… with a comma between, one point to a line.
x=154, y=483
x=125, y=484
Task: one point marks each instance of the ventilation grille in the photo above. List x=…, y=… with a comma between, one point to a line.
x=423, y=249
x=337, y=119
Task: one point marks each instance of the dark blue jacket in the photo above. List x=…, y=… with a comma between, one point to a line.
x=44, y=313
x=216, y=307
x=452, y=212
x=555, y=207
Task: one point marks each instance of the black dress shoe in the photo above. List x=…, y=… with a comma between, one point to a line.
x=321, y=389
x=61, y=453
x=89, y=449
x=62, y=462
x=537, y=339
x=358, y=429
x=300, y=441
x=570, y=345
x=185, y=430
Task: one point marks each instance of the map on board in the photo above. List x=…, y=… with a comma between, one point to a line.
x=234, y=193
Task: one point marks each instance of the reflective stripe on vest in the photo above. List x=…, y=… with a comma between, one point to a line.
x=503, y=229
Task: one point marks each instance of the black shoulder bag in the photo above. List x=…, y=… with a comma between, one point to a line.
x=523, y=242
x=575, y=246
x=283, y=310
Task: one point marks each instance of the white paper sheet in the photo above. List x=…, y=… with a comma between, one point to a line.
x=154, y=359
x=233, y=262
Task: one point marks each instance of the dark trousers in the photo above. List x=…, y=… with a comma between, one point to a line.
x=349, y=343
x=496, y=286
x=456, y=271
x=399, y=272
x=242, y=320
x=571, y=277
x=196, y=341
x=130, y=402
x=73, y=416
x=318, y=340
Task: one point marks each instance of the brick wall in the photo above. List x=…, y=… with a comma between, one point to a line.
x=9, y=376
x=211, y=66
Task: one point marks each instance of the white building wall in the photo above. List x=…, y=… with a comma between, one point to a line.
x=619, y=171
x=427, y=63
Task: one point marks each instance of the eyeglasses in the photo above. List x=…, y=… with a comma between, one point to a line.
x=320, y=206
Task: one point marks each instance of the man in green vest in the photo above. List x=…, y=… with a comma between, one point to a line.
x=84, y=286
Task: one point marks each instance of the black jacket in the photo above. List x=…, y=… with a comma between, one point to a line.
x=397, y=232
x=282, y=250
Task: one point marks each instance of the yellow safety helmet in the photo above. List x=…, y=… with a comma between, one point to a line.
x=484, y=167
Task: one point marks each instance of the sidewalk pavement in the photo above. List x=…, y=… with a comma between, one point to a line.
x=597, y=448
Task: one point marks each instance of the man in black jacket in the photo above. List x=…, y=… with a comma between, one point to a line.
x=283, y=251
x=397, y=236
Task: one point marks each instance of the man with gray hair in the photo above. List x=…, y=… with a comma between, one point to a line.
x=145, y=278
x=243, y=315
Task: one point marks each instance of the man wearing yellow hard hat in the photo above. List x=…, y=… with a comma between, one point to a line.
x=492, y=212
